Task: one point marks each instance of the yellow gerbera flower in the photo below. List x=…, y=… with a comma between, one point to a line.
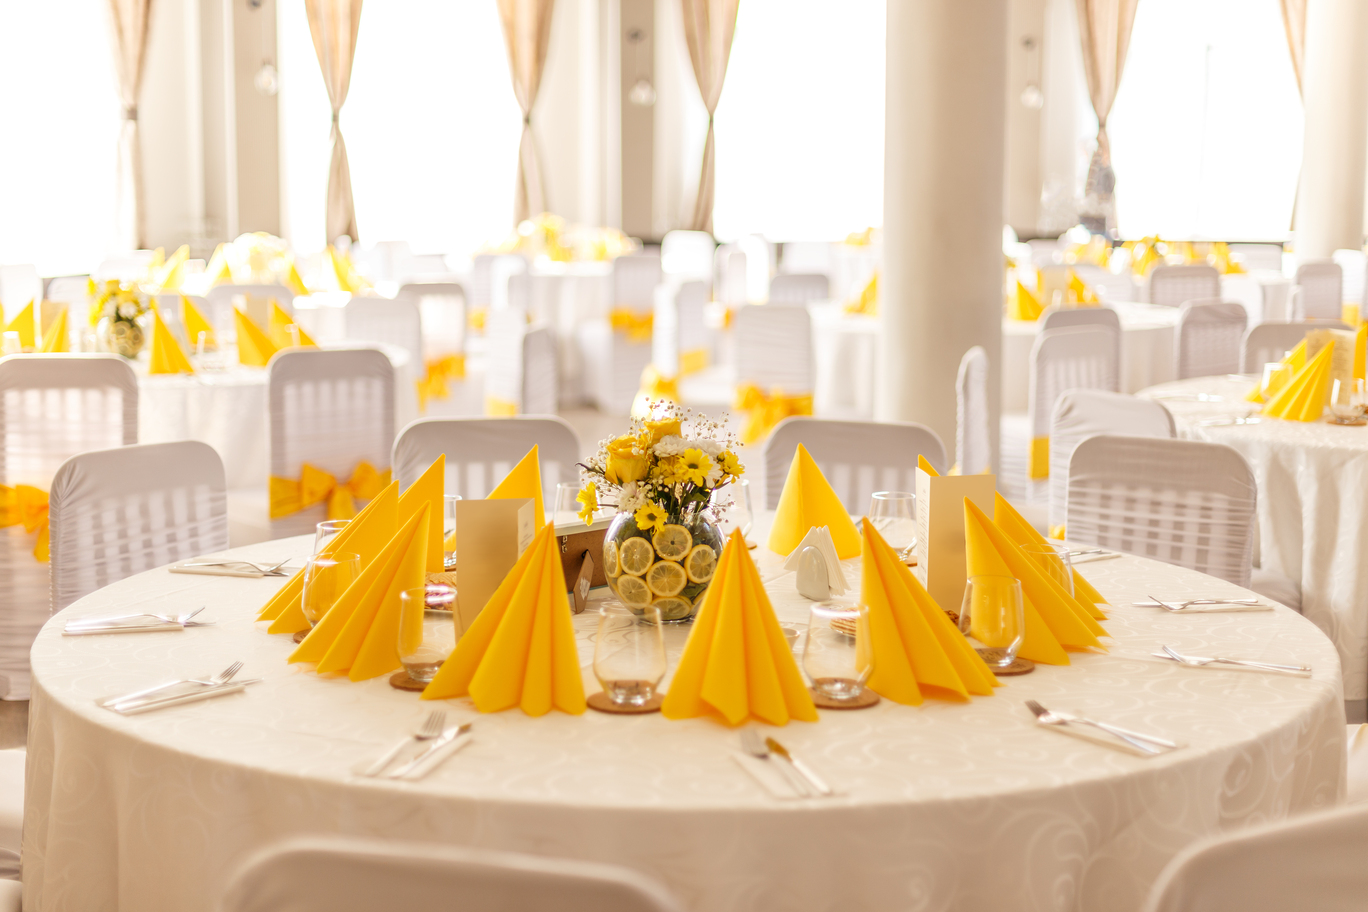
x=694, y=466
x=589, y=498
x=649, y=517
x=730, y=464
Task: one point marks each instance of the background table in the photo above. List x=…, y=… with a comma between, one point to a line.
x=1313, y=509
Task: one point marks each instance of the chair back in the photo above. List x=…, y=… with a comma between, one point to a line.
x=857, y=457
x=806, y=257
x=1208, y=338
x=392, y=322
x=520, y=364
x=333, y=874
x=729, y=282
x=1076, y=357
x=1182, y=502
x=1313, y=861
x=688, y=255
x=114, y=513
x=973, y=443
x=799, y=288
x=481, y=451
x=1258, y=256
x=489, y=274
x=1272, y=341
x=442, y=313
x=1173, y=285
x=680, y=325
x=1080, y=414
x=1320, y=290
x=774, y=347
x=1103, y=317
x=635, y=278
x=1353, y=266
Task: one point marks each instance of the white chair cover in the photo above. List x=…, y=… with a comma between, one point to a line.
x=774, y=347
x=489, y=273
x=1104, y=317
x=613, y=362
x=688, y=255
x=1080, y=414
x=857, y=457
x=1178, y=501
x=729, y=284
x=351, y=875
x=799, y=288
x=1172, y=285
x=1353, y=266
x=254, y=300
x=393, y=322
x=51, y=408
x=679, y=324
x=1312, y=862
x=635, y=278
x=1320, y=287
x=442, y=312
x=973, y=447
x=1207, y=341
x=806, y=257
x=481, y=451
x=1258, y=256
x=118, y=512
x=1272, y=341
x=521, y=365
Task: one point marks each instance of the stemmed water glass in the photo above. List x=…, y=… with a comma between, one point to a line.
x=736, y=512
x=894, y=515
x=326, y=531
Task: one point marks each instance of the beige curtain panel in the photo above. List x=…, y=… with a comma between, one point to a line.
x=1104, y=27
x=527, y=31
x=333, y=25
x=709, y=26
x=129, y=28
x=1294, y=23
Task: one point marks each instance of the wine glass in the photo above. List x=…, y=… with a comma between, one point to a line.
x=427, y=630
x=326, y=531
x=1054, y=561
x=894, y=515
x=325, y=579
x=629, y=653
x=993, y=615
x=836, y=652
x=449, y=502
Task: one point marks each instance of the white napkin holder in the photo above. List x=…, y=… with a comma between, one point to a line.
x=819, y=575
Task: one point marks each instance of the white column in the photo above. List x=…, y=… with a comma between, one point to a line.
x=1335, y=95
x=941, y=287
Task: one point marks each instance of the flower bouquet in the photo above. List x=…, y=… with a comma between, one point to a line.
x=115, y=313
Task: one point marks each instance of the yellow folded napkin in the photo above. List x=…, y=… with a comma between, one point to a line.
x=337, y=266
x=926, y=466
x=765, y=410
x=254, y=348
x=737, y=664
x=360, y=633
x=1015, y=527
x=218, y=269
x=293, y=281
x=524, y=481
x=520, y=650
x=365, y=536
x=1082, y=294
x=1305, y=395
x=1360, y=351
x=916, y=648
x=195, y=323
x=1054, y=621
x=1296, y=359
x=167, y=357
x=277, y=329
x=428, y=489
x=1023, y=305
x=57, y=338
x=806, y=501
x=170, y=274
x=23, y=325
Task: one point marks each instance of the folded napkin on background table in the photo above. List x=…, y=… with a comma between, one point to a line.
x=167, y=357
x=195, y=323
x=24, y=326
x=520, y=649
x=806, y=501
x=218, y=270
x=737, y=664
x=57, y=338
x=917, y=651
x=254, y=348
x=1015, y=527
x=1305, y=395
x=524, y=481
x=293, y=281
x=172, y=273
x=1081, y=292
x=1023, y=305
x=278, y=329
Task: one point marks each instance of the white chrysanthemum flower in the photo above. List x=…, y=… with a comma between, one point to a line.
x=671, y=446
x=711, y=448
x=714, y=476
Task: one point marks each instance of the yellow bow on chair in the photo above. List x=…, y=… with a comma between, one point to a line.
x=27, y=505
x=315, y=486
x=655, y=387
x=637, y=326
x=765, y=411
x=439, y=372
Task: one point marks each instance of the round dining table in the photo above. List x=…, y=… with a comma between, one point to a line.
x=947, y=805
x=1312, y=480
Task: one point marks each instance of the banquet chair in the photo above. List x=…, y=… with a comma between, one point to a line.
x=1258, y=256
x=1272, y=341
x=688, y=255
x=1207, y=339
x=1313, y=862
x=51, y=408
x=799, y=288
x=114, y=513
x=1172, y=285
x=1319, y=287
x=331, y=409
x=729, y=275
x=442, y=314
x=857, y=457
x=392, y=322
x=1080, y=414
x=489, y=273
x=679, y=333
x=333, y=874
x=481, y=451
x=774, y=348
x=253, y=300
x=614, y=356
x=1103, y=317
x=520, y=366
x=973, y=441
x=1353, y=266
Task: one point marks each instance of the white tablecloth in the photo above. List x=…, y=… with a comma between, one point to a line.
x=1146, y=351
x=948, y=805
x=1313, y=508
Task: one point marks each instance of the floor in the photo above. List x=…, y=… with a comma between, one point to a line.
x=13, y=724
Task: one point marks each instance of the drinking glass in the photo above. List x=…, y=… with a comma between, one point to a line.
x=1347, y=402
x=326, y=531
x=734, y=507
x=427, y=630
x=1275, y=377
x=11, y=344
x=836, y=653
x=1054, y=561
x=449, y=502
x=629, y=653
x=894, y=515
x=993, y=615
x=325, y=579
x=565, y=509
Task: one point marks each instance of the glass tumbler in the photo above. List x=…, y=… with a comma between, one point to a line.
x=427, y=630
x=894, y=515
x=1054, y=561
x=836, y=652
x=565, y=509
x=629, y=653
x=326, y=531
x=1347, y=401
x=449, y=502
x=325, y=579
x=993, y=615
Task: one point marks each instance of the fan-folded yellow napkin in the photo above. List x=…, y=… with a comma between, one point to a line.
x=23, y=325
x=194, y=324
x=218, y=270
x=56, y=338
x=278, y=329
x=1023, y=305
x=360, y=633
x=167, y=357
x=916, y=648
x=293, y=281
x=1082, y=294
x=806, y=501
x=254, y=348
x=1054, y=621
x=1305, y=395
x=524, y=481
x=170, y=275
x=737, y=664
x=1361, y=352
x=1015, y=527
x=520, y=650
x=1296, y=359
x=428, y=489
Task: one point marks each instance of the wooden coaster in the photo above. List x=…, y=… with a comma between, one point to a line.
x=400, y=680
x=1357, y=422
x=866, y=699
x=603, y=704
x=300, y=635
x=910, y=561
x=1019, y=666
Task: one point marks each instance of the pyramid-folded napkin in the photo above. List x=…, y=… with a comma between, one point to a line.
x=167, y=357
x=55, y=339
x=22, y=323
x=819, y=537
x=254, y=348
x=195, y=323
x=806, y=501
x=1305, y=395
x=278, y=329
x=1023, y=305
x=524, y=481
x=1015, y=527
x=1296, y=359
x=428, y=489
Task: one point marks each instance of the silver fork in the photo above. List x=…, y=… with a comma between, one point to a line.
x=164, y=618
x=429, y=729
x=1147, y=743
x=238, y=563
x=223, y=677
x=753, y=744
x=1197, y=661
x=1167, y=607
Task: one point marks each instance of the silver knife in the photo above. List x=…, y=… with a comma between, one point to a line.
x=803, y=769
x=446, y=738
x=129, y=709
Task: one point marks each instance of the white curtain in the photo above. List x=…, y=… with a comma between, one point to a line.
x=709, y=26
x=334, y=25
x=129, y=20
x=1294, y=22
x=527, y=30
x=1104, y=29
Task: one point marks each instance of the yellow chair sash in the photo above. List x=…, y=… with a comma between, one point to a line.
x=440, y=371
x=27, y=505
x=692, y=361
x=764, y=411
x=637, y=326
x=500, y=408
x=477, y=317
x=315, y=486
x=1038, y=463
